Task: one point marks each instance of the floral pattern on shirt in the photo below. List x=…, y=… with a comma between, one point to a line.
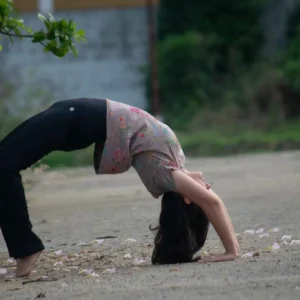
x=137, y=139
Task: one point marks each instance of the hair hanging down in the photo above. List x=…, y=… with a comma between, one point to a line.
x=182, y=231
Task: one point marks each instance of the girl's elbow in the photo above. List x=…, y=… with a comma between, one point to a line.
x=214, y=203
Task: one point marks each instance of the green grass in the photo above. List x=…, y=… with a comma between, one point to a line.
x=213, y=142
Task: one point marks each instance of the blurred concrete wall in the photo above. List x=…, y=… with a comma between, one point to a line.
x=108, y=65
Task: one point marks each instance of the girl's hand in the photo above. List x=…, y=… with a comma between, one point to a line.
x=217, y=258
x=198, y=177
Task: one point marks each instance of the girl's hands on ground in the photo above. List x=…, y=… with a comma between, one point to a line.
x=216, y=258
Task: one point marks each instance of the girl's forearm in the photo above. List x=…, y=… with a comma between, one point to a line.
x=218, y=217
x=228, y=217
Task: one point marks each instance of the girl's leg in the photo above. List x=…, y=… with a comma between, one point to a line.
x=23, y=147
x=66, y=126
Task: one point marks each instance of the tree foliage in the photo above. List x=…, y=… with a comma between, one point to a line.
x=57, y=37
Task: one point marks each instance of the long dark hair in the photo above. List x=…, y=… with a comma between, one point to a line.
x=182, y=231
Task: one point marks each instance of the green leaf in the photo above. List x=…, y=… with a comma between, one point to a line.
x=1, y=48
x=51, y=18
x=45, y=21
x=38, y=36
x=51, y=35
x=42, y=18
x=18, y=32
x=52, y=44
x=11, y=40
x=73, y=50
x=80, y=32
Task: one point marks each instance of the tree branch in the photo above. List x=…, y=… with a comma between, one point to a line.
x=16, y=35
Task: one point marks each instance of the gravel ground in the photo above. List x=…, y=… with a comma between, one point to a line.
x=74, y=211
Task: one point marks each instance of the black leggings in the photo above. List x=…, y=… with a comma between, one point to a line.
x=66, y=126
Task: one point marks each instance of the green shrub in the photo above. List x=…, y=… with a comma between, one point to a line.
x=187, y=75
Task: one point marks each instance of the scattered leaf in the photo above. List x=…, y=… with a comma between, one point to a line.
x=82, y=244
x=286, y=237
x=261, y=230
x=249, y=232
x=249, y=254
x=59, y=263
x=130, y=241
x=63, y=285
x=3, y=271
x=93, y=275
x=58, y=252
x=295, y=242
x=86, y=271
x=274, y=247
x=264, y=235
x=99, y=242
x=127, y=255
x=274, y=230
x=109, y=271
x=138, y=262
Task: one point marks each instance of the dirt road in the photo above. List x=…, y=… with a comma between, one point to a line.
x=72, y=208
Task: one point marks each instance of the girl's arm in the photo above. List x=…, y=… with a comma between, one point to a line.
x=215, y=211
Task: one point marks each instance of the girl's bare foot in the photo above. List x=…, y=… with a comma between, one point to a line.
x=26, y=264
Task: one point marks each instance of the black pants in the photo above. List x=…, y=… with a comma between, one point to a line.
x=66, y=126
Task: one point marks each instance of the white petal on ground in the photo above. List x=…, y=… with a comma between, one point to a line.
x=260, y=230
x=109, y=271
x=286, y=237
x=99, y=242
x=138, y=262
x=86, y=271
x=42, y=277
x=10, y=261
x=237, y=234
x=63, y=285
x=285, y=242
x=3, y=271
x=274, y=230
x=58, y=252
x=59, y=263
x=250, y=254
x=130, y=241
x=93, y=275
x=295, y=242
x=82, y=244
x=264, y=235
x=249, y=231
x=274, y=247
x=127, y=255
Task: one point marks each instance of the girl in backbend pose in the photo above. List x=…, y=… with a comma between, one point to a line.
x=124, y=137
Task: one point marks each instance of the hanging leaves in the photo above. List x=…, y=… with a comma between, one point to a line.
x=58, y=36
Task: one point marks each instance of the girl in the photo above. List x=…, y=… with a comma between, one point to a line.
x=124, y=137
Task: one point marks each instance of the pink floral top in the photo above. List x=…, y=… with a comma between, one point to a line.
x=137, y=139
